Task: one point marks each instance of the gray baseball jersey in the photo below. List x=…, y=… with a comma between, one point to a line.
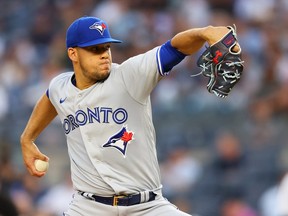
x=109, y=129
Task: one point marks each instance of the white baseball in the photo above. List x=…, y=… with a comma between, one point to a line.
x=41, y=165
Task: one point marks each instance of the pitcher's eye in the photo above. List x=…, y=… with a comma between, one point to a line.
x=98, y=49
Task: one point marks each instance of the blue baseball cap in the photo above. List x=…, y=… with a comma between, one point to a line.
x=88, y=31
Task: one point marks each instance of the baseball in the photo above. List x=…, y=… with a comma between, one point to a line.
x=41, y=165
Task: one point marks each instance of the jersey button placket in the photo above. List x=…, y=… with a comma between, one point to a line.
x=79, y=97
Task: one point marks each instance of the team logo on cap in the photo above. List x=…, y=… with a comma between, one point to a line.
x=99, y=27
x=120, y=140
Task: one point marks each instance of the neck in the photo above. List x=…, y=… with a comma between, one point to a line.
x=80, y=85
x=83, y=85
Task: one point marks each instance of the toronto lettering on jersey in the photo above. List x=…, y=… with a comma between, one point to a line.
x=98, y=114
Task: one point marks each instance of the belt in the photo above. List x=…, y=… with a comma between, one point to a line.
x=121, y=200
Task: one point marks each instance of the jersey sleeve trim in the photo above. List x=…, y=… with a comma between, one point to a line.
x=47, y=93
x=167, y=57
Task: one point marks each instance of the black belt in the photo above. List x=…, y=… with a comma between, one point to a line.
x=119, y=200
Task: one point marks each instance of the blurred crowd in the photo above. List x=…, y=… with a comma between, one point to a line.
x=218, y=157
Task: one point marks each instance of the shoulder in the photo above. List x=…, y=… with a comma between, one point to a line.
x=61, y=78
x=60, y=82
x=146, y=59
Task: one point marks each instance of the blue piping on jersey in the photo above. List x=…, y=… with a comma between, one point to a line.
x=167, y=57
x=47, y=93
x=159, y=62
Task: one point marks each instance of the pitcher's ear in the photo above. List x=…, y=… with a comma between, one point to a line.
x=72, y=53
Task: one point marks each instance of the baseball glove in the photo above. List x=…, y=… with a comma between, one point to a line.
x=221, y=65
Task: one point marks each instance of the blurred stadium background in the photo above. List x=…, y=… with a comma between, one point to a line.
x=218, y=157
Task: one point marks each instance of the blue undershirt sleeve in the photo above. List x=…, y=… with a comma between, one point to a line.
x=168, y=57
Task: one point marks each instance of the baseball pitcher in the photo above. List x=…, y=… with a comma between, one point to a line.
x=105, y=111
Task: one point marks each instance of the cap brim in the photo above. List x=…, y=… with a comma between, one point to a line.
x=99, y=41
